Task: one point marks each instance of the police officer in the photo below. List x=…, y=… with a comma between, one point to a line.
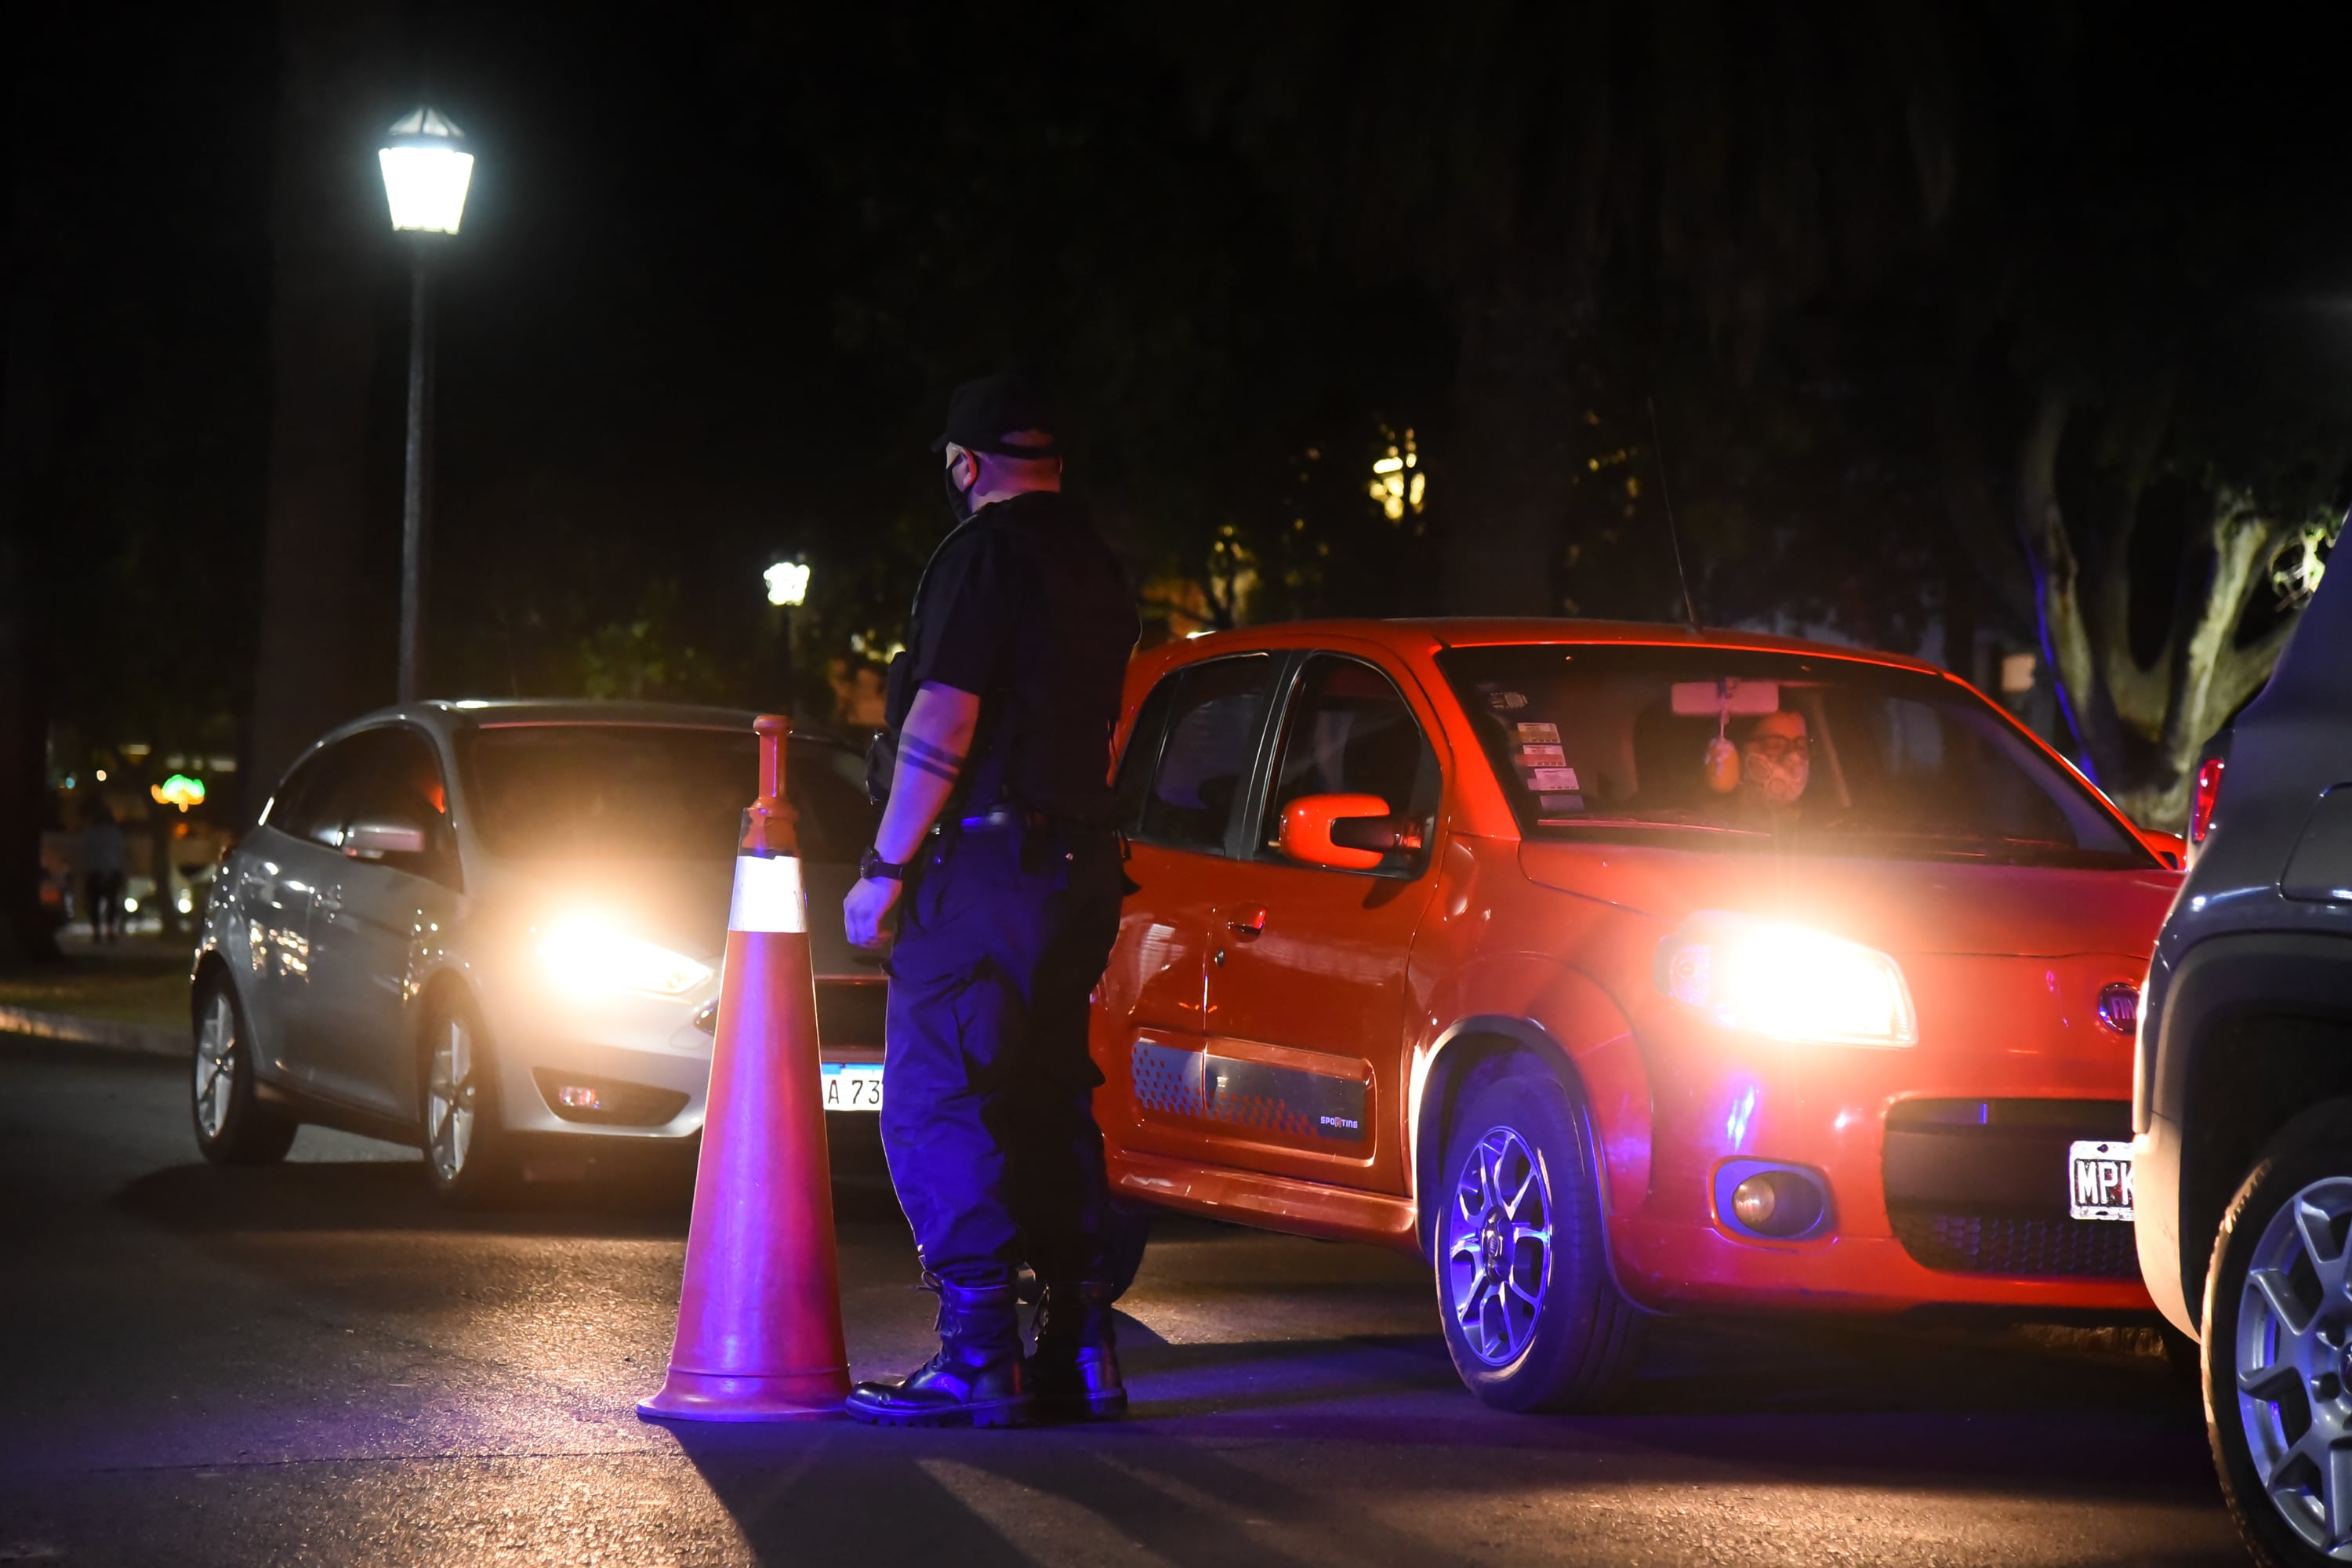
x=996, y=846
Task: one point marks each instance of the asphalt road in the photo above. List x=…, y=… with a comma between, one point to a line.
x=312, y=1364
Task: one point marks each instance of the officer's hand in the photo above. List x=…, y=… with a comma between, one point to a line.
x=869, y=904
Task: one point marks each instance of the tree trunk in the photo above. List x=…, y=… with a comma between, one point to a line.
x=2206, y=674
x=322, y=589
x=1505, y=477
x=2057, y=581
x=28, y=462
x=24, y=928
x=2212, y=674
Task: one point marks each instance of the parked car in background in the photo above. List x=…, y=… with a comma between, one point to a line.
x=494, y=930
x=1618, y=969
x=2242, y=1111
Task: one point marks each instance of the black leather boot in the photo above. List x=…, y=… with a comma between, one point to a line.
x=1074, y=1372
x=976, y=1379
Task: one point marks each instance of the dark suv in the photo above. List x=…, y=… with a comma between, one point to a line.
x=2242, y=1104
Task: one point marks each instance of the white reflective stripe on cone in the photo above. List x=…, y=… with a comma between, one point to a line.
x=768, y=895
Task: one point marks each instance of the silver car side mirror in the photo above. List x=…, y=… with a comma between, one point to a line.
x=374, y=838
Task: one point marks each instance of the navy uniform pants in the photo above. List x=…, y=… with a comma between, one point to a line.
x=987, y=1113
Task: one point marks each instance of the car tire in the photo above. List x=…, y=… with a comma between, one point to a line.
x=2277, y=1395
x=461, y=1123
x=233, y=1126
x=1532, y=1317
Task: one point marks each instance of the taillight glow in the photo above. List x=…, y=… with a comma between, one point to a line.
x=2200, y=806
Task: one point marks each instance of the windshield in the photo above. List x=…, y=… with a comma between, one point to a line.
x=1706, y=748
x=576, y=792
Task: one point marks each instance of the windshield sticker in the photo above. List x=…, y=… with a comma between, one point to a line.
x=1562, y=802
x=1552, y=779
x=1506, y=700
x=1543, y=756
x=1537, y=734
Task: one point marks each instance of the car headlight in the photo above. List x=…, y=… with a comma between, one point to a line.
x=1785, y=983
x=589, y=958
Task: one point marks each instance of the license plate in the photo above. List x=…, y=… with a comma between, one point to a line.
x=2099, y=1185
x=853, y=1086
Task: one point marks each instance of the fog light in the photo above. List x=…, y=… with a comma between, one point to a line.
x=1770, y=1202
x=578, y=1097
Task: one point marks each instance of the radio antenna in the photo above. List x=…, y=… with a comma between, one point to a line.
x=1674, y=534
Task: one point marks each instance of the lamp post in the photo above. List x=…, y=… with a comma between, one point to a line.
x=426, y=170
x=788, y=582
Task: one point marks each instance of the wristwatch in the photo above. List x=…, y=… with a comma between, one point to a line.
x=871, y=864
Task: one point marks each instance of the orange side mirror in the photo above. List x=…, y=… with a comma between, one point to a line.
x=1344, y=832
x=2169, y=847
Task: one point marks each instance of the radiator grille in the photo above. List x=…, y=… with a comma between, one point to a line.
x=2031, y=1245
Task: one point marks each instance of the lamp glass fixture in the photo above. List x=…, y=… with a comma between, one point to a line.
x=788, y=582
x=426, y=170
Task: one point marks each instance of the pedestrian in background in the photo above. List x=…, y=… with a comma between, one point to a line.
x=102, y=858
x=996, y=849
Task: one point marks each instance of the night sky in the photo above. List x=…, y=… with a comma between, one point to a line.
x=721, y=264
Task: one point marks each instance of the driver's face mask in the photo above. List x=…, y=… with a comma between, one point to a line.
x=1776, y=768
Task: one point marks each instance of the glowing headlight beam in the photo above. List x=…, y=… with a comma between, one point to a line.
x=1786, y=982
x=589, y=958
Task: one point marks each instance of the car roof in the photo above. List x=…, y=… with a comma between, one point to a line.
x=449, y=716
x=490, y=710
x=1488, y=631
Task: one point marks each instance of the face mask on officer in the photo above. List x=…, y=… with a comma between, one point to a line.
x=960, y=496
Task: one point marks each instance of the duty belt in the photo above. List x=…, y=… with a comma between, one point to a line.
x=1004, y=818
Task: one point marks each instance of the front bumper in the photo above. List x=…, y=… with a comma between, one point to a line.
x=650, y=1057
x=1920, y=1213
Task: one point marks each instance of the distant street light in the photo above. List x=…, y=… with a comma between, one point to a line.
x=788, y=583
x=426, y=170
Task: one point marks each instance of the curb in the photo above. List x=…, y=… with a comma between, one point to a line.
x=140, y=1039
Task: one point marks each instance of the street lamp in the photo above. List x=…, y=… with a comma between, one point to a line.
x=788, y=583
x=426, y=170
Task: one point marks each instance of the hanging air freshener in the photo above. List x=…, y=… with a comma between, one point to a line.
x=1722, y=756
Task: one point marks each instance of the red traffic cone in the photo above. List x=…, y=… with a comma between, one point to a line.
x=759, y=1318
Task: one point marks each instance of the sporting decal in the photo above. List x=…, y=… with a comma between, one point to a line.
x=1259, y=1096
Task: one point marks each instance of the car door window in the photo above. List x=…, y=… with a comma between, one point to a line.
x=305, y=800
x=388, y=772
x=1349, y=731
x=1213, y=721
x=1132, y=787
x=400, y=779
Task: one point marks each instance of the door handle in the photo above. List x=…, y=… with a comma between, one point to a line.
x=1247, y=922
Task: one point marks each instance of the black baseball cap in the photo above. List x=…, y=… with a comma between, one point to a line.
x=981, y=412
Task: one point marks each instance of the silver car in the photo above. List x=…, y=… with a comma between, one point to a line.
x=494, y=930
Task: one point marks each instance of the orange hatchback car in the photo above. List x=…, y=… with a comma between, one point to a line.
x=1618, y=969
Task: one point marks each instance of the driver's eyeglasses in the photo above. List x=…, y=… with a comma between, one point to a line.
x=1780, y=747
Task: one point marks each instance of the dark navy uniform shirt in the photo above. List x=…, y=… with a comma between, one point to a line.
x=1026, y=608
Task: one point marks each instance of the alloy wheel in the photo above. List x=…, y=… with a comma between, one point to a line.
x=451, y=1091
x=215, y=1065
x=1498, y=1251
x=2293, y=1364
